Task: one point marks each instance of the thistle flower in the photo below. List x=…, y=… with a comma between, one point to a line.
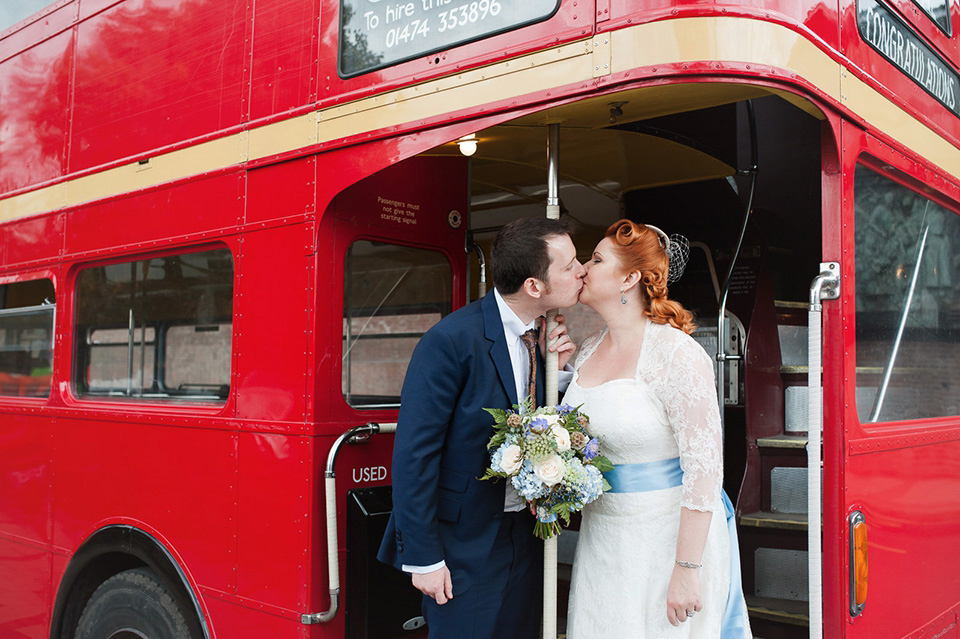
x=578, y=440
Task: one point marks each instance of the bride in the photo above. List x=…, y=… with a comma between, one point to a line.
x=654, y=554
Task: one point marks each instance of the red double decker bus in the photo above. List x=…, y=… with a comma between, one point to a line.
x=224, y=225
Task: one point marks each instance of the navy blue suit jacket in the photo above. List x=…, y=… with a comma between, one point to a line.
x=441, y=509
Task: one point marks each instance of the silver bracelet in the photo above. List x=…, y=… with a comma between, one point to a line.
x=687, y=564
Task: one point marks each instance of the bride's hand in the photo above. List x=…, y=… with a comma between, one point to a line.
x=564, y=346
x=683, y=594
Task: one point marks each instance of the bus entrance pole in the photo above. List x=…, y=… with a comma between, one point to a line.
x=552, y=394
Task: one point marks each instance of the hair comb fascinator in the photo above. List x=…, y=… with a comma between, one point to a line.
x=677, y=248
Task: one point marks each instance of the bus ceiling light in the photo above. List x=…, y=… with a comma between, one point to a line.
x=859, y=563
x=468, y=144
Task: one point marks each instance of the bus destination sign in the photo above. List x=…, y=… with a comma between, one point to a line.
x=883, y=30
x=379, y=33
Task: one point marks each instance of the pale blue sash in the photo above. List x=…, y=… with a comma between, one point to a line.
x=666, y=473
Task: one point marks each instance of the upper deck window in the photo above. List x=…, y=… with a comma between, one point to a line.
x=157, y=329
x=938, y=11
x=13, y=12
x=908, y=302
x=375, y=34
x=26, y=338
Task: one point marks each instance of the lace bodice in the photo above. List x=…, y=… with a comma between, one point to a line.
x=668, y=410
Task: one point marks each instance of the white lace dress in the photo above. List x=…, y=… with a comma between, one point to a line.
x=627, y=543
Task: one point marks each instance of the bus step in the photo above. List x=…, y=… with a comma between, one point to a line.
x=779, y=521
x=789, y=442
x=784, y=611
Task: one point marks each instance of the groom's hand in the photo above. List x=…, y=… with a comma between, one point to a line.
x=563, y=345
x=436, y=584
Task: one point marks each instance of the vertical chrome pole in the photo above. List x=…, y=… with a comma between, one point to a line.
x=825, y=286
x=552, y=394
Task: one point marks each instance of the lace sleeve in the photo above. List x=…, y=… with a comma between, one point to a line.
x=691, y=405
x=588, y=346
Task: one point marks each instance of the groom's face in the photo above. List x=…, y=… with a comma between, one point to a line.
x=565, y=275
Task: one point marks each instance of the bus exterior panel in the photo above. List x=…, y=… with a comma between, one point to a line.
x=317, y=183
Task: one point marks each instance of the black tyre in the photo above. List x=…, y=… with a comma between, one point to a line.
x=132, y=605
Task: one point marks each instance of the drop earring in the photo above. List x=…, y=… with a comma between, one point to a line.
x=623, y=300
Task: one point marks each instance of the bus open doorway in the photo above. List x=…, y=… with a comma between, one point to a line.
x=681, y=158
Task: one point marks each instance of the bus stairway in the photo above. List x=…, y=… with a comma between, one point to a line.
x=773, y=532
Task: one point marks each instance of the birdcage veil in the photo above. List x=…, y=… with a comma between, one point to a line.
x=677, y=248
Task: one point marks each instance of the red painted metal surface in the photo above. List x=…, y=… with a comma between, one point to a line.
x=234, y=493
x=35, y=113
x=153, y=74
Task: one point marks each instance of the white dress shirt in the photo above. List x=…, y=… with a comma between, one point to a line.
x=513, y=328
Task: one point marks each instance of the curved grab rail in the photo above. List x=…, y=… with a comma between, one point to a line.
x=357, y=435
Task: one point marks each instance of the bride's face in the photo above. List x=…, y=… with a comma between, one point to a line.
x=604, y=276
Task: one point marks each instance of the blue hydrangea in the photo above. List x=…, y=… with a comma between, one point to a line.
x=528, y=485
x=593, y=486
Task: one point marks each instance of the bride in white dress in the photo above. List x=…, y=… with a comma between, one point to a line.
x=654, y=554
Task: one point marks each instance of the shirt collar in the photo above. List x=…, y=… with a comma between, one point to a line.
x=513, y=326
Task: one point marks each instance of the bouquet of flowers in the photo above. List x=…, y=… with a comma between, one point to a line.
x=551, y=460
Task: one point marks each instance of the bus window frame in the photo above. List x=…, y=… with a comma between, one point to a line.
x=900, y=169
x=57, y=350
x=73, y=398
x=341, y=266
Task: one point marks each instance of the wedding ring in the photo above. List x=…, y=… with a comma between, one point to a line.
x=691, y=613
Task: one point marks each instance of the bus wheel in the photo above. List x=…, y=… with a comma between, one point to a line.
x=133, y=604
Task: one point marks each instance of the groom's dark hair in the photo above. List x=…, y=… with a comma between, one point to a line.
x=520, y=251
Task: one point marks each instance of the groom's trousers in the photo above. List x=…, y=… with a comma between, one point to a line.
x=506, y=599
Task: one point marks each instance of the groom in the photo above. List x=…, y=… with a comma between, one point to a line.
x=469, y=544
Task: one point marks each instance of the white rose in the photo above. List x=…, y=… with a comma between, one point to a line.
x=511, y=459
x=550, y=470
x=552, y=420
x=562, y=436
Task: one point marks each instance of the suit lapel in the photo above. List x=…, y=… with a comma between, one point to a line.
x=493, y=331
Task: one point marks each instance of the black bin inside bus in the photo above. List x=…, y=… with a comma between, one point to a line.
x=381, y=601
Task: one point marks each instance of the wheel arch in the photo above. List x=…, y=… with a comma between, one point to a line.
x=108, y=552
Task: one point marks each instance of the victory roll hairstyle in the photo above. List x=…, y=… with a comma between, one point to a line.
x=644, y=249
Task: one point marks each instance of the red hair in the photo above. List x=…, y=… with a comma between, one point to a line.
x=639, y=249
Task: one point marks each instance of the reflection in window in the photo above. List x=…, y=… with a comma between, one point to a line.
x=392, y=295
x=157, y=329
x=938, y=11
x=908, y=303
x=26, y=338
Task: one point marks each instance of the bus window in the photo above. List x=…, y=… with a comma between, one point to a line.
x=26, y=338
x=13, y=12
x=392, y=295
x=908, y=303
x=158, y=329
